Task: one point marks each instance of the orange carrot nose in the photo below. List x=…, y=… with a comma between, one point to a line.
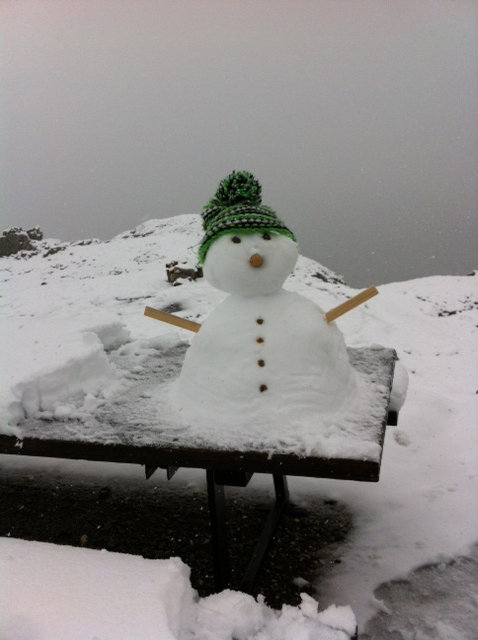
x=256, y=260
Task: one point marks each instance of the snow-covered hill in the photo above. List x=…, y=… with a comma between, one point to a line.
x=67, y=314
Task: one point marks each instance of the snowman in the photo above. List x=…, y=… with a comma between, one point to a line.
x=263, y=354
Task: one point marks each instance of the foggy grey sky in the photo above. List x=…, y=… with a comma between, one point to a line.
x=359, y=118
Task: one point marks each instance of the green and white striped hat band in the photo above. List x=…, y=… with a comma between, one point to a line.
x=237, y=208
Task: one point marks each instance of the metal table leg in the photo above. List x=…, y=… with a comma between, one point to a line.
x=217, y=513
x=260, y=552
x=217, y=516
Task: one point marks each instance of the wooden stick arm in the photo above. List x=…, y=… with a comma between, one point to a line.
x=171, y=319
x=348, y=305
x=330, y=316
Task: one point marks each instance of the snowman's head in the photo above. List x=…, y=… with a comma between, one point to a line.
x=250, y=264
x=246, y=249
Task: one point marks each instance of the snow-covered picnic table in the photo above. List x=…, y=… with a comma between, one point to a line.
x=122, y=437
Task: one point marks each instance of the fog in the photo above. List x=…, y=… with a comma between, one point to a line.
x=358, y=117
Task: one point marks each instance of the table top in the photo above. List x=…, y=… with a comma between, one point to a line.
x=125, y=440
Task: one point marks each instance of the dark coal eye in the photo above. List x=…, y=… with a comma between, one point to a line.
x=236, y=239
x=266, y=236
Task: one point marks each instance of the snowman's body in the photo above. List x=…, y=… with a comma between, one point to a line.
x=263, y=350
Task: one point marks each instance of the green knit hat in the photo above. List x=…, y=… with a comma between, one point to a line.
x=237, y=208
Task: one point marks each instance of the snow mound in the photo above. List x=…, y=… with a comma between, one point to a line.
x=234, y=615
x=61, y=372
x=119, y=596
x=83, y=593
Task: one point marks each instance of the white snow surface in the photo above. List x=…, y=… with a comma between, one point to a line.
x=56, y=592
x=64, y=317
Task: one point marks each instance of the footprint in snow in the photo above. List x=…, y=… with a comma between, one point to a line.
x=401, y=438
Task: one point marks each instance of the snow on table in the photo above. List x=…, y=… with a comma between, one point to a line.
x=140, y=426
x=58, y=592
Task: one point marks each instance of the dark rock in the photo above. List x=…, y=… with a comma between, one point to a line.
x=14, y=240
x=52, y=250
x=328, y=276
x=174, y=307
x=174, y=272
x=35, y=234
x=86, y=243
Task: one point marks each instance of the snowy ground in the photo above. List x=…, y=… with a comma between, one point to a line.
x=67, y=317
x=84, y=594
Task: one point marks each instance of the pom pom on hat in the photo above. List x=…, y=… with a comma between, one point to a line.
x=238, y=188
x=237, y=208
